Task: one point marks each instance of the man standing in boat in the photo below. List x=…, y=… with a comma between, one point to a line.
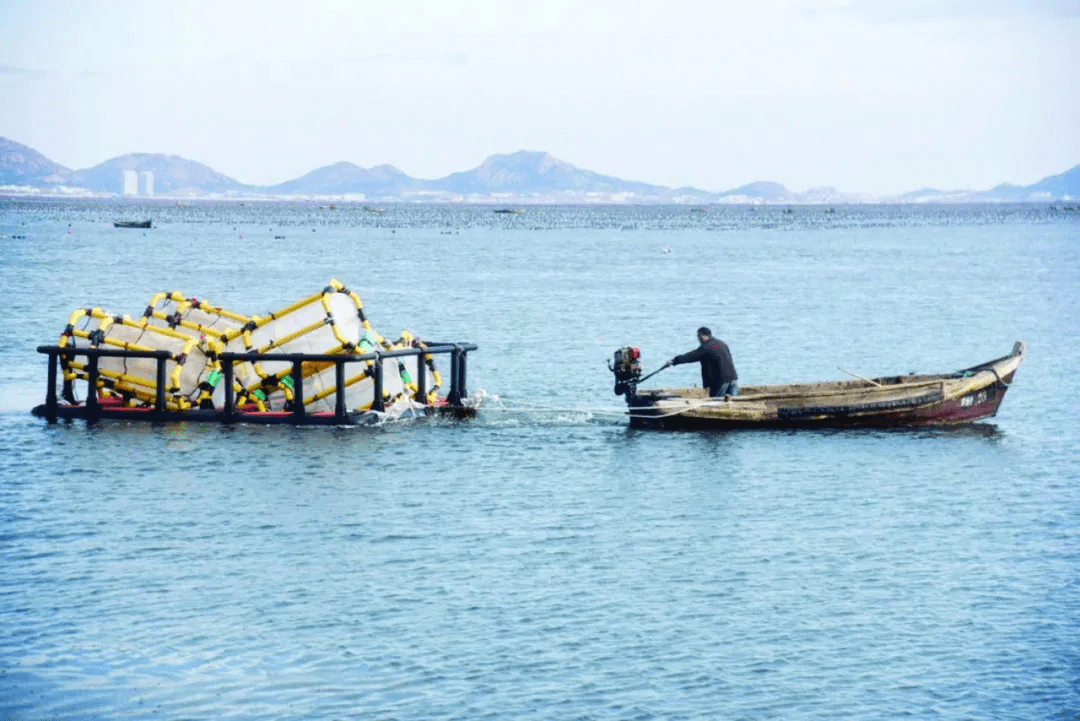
x=717, y=370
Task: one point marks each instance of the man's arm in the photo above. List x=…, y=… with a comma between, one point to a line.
x=691, y=357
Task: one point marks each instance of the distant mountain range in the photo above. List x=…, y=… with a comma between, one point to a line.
x=521, y=177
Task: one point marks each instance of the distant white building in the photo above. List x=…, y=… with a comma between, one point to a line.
x=131, y=182
x=147, y=182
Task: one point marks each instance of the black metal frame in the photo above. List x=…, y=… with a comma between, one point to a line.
x=91, y=410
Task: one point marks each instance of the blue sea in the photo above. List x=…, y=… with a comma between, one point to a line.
x=543, y=560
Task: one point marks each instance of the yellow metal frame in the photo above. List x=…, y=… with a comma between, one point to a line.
x=212, y=341
x=125, y=383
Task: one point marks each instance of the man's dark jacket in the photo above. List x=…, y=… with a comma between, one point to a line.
x=716, y=366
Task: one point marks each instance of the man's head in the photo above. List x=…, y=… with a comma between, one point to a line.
x=704, y=334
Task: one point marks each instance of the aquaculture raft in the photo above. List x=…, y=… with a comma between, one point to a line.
x=315, y=362
x=941, y=399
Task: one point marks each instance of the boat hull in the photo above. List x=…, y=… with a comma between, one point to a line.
x=944, y=400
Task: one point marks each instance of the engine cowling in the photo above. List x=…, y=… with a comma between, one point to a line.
x=626, y=365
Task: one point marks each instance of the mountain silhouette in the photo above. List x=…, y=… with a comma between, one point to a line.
x=22, y=165
x=764, y=190
x=535, y=172
x=173, y=175
x=531, y=176
x=1063, y=185
x=348, y=178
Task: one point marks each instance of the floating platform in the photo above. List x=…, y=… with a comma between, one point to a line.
x=112, y=405
x=317, y=361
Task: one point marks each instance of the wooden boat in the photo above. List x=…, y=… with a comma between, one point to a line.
x=131, y=224
x=943, y=399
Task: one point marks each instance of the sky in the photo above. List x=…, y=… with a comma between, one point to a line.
x=874, y=96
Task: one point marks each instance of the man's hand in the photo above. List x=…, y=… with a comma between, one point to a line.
x=669, y=364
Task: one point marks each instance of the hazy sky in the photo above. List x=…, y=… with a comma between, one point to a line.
x=880, y=96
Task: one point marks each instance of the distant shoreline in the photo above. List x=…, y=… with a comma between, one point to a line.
x=518, y=178
x=15, y=193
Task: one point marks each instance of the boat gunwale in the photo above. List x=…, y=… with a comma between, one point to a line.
x=748, y=394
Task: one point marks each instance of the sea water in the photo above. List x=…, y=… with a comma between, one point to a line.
x=544, y=561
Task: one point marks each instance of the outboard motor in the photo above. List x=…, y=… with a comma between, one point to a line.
x=626, y=365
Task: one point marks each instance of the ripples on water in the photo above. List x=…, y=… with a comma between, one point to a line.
x=544, y=217
x=544, y=561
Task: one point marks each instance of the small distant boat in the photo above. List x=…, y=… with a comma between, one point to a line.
x=131, y=224
x=513, y=211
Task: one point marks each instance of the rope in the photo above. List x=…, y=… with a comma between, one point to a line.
x=620, y=412
x=553, y=409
